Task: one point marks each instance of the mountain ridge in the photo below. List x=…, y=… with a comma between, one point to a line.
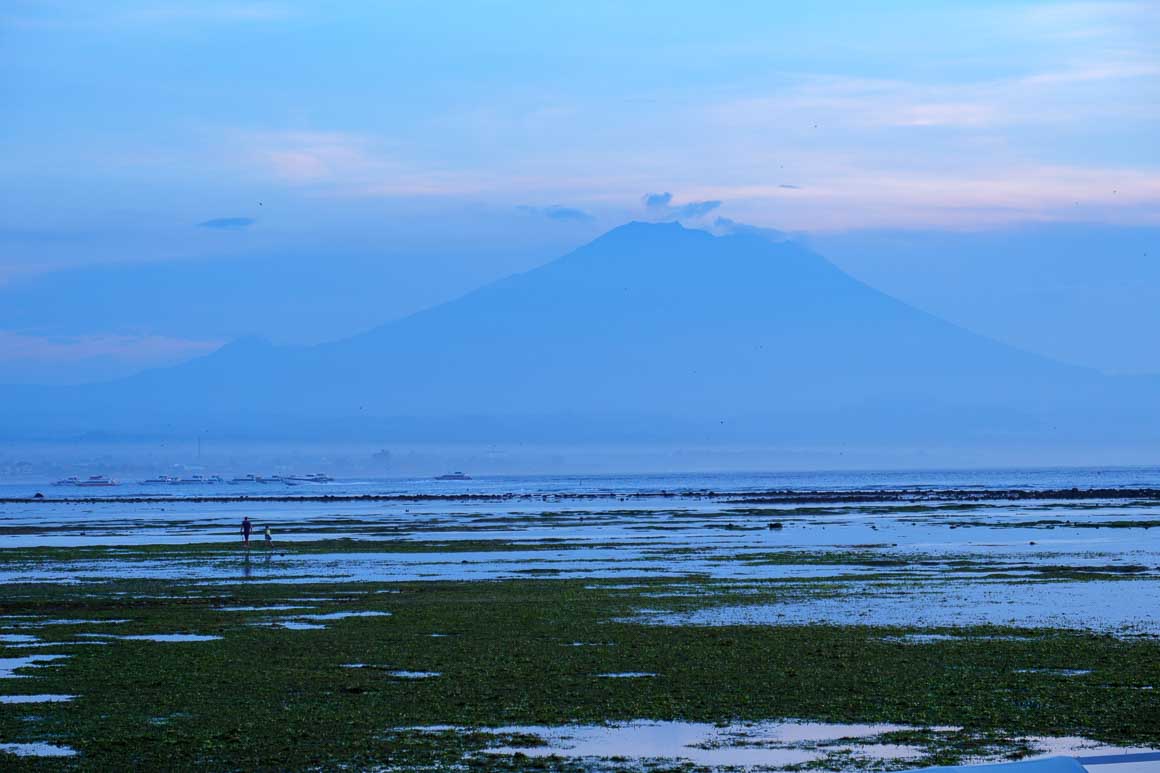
x=649, y=325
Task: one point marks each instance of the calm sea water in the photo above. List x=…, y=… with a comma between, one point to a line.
x=651, y=536
x=1031, y=479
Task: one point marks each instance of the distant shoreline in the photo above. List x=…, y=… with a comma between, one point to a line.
x=766, y=497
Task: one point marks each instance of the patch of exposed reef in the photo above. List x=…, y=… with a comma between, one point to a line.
x=766, y=497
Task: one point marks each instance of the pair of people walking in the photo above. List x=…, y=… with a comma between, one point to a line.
x=248, y=529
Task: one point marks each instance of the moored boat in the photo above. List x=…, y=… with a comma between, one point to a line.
x=195, y=480
x=251, y=478
x=96, y=481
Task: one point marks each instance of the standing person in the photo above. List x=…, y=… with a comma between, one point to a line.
x=268, y=537
x=247, y=527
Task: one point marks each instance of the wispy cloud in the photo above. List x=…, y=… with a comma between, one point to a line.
x=827, y=103
x=365, y=165
x=846, y=197
x=1085, y=20
x=311, y=157
x=994, y=143
x=1076, y=55
x=143, y=350
x=557, y=212
x=727, y=226
x=661, y=205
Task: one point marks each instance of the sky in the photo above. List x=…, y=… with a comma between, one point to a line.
x=176, y=175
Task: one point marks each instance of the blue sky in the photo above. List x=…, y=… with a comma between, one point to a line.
x=454, y=143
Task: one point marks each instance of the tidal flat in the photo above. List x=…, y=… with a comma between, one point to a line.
x=484, y=635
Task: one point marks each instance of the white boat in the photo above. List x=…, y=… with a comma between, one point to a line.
x=94, y=481
x=314, y=477
x=453, y=476
x=251, y=478
x=195, y=480
x=160, y=479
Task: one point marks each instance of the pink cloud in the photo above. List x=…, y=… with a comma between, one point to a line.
x=139, y=350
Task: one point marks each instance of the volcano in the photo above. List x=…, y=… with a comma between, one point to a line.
x=651, y=331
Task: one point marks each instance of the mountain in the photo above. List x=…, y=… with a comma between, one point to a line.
x=652, y=331
x=1085, y=293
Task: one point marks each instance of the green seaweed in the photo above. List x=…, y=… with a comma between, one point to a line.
x=264, y=698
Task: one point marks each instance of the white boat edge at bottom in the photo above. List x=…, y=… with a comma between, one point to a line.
x=1135, y=763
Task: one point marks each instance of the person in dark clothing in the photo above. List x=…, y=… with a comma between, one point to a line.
x=247, y=527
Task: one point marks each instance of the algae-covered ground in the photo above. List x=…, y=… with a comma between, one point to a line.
x=514, y=653
x=440, y=641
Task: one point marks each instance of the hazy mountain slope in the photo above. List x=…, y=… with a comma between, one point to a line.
x=1082, y=293
x=652, y=325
